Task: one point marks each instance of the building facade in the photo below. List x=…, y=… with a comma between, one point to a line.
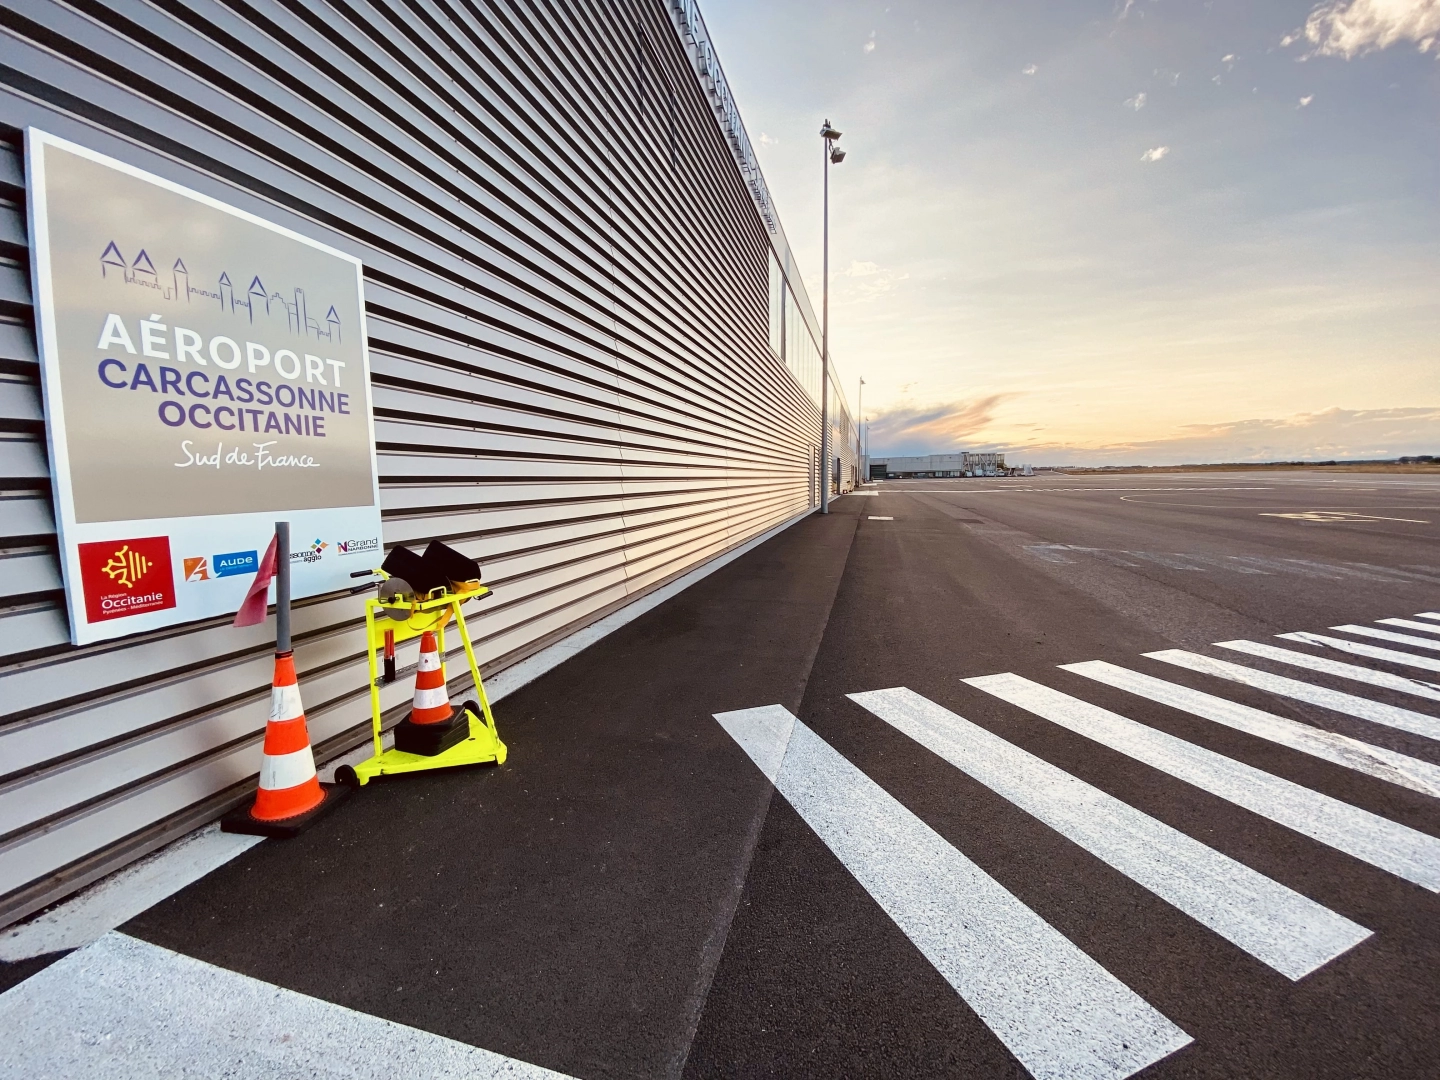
x=594, y=366
x=965, y=463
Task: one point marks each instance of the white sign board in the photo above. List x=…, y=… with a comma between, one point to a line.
x=205, y=374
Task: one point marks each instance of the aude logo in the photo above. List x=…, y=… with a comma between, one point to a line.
x=218, y=566
x=235, y=562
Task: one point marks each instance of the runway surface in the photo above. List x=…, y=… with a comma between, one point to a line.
x=983, y=778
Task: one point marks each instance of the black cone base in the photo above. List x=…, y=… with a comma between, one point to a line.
x=427, y=740
x=240, y=821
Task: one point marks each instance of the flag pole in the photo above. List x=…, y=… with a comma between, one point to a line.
x=282, y=588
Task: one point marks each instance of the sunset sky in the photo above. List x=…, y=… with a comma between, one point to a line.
x=1151, y=231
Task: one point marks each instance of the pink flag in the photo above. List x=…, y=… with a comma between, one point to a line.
x=257, y=600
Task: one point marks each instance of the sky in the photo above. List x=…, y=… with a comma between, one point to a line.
x=1114, y=231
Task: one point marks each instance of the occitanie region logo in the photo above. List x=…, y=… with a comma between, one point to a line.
x=127, y=577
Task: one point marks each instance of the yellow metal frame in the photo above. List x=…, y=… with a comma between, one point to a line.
x=483, y=745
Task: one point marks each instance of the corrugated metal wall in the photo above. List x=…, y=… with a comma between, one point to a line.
x=566, y=287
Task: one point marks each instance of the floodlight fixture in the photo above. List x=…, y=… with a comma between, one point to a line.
x=828, y=132
x=836, y=155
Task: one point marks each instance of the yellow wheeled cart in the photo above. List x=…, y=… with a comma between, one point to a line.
x=392, y=620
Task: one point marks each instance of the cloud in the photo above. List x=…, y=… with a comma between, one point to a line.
x=872, y=280
x=1350, y=28
x=1137, y=102
x=1305, y=101
x=1029, y=69
x=1331, y=434
x=767, y=140
x=1155, y=153
x=1229, y=61
x=931, y=429
x=870, y=44
x=1125, y=11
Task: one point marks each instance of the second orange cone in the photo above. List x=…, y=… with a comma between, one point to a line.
x=433, y=725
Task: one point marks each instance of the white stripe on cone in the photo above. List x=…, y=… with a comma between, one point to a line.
x=281, y=771
x=431, y=699
x=285, y=702
x=429, y=661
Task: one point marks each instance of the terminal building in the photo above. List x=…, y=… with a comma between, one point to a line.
x=927, y=466
x=593, y=364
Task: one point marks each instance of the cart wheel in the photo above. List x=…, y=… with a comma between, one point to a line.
x=346, y=775
x=473, y=707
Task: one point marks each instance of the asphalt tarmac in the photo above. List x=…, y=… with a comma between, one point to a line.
x=629, y=896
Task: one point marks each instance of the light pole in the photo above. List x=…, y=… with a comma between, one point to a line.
x=860, y=433
x=833, y=155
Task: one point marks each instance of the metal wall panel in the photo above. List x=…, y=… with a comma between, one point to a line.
x=567, y=288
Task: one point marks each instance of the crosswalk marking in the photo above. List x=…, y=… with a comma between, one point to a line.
x=1387, y=635
x=1375, y=761
x=1334, y=667
x=1059, y=1012
x=122, y=1008
x=1358, y=648
x=1411, y=624
x=1388, y=845
x=1427, y=615
x=1271, y=922
x=1417, y=723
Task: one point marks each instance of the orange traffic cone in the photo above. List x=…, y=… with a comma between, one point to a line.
x=432, y=700
x=290, y=794
x=433, y=726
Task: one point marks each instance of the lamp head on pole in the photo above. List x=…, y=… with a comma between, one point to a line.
x=836, y=155
x=828, y=132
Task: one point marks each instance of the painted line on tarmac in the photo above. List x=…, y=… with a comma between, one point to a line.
x=122, y=1007
x=121, y=896
x=1411, y=624
x=1427, y=615
x=1334, y=667
x=1012, y=490
x=1377, y=761
x=1058, y=1011
x=1377, y=712
x=1386, y=844
x=1356, y=648
x=873, y=517
x=1273, y=923
x=1386, y=635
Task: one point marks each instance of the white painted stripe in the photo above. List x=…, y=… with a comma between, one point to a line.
x=1334, y=667
x=1058, y=1011
x=121, y=896
x=1275, y=924
x=281, y=771
x=123, y=1008
x=285, y=702
x=432, y=698
x=1402, y=851
x=1377, y=712
x=1387, y=635
x=1427, y=615
x=1376, y=761
x=429, y=661
x=874, y=517
x=1357, y=648
x=1411, y=624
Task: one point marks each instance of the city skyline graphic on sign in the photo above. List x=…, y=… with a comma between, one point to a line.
x=255, y=300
